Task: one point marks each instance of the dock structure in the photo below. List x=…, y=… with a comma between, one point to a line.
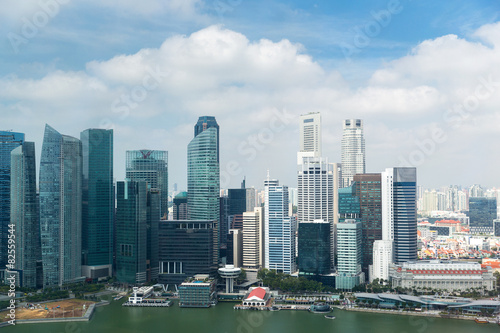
x=150, y=303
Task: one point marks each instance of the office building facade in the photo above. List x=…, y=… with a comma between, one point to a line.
x=253, y=239
x=314, y=248
x=150, y=166
x=279, y=248
x=482, y=212
x=24, y=214
x=61, y=208
x=349, y=255
x=8, y=142
x=98, y=203
x=353, y=150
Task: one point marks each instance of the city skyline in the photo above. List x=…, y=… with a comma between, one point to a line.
x=257, y=74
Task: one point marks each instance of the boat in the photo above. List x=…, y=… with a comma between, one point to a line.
x=481, y=320
x=329, y=317
x=320, y=307
x=274, y=308
x=117, y=298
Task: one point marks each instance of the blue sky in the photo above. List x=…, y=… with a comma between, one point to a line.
x=399, y=65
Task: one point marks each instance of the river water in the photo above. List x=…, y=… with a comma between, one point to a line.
x=223, y=319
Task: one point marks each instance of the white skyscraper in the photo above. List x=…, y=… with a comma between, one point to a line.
x=353, y=150
x=253, y=239
x=310, y=136
x=279, y=239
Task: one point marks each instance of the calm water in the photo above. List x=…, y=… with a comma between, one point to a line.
x=222, y=318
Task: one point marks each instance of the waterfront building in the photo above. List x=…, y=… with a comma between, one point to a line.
x=353, y=150
x=203, y=174
x=131, y=231
x=229, y=273
x=257, y=297
x=444, y=275
x=150, y=166
x=253, y=239
x=279, y=239
x=98, y=203
x=198, y=292
x=349, y=273
x=8, y=142
x=399, y=212
x=186, y=248
x=24, y=213
x=369, y=191
x=314, y=248
x=61, y=208
x=234, y=252
x=180, y=206
x=482, y=212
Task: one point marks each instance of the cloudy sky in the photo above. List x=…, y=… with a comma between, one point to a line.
x=423, y=75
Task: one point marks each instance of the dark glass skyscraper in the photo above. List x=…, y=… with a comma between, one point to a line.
x=368, y=190
x=482, y=212
x=24, y=213
x=98, y=203
x=186, y=248
x=131, y=231
x=150, y=166
x=61, y=208
x=8, y=142
x=203, y=172
x=314, y=248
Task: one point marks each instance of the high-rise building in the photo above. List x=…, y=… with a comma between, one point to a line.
x=353, y=150
x=61, y=208
x=349, y=255
x=98, y=203
x=131, y=231
x=24, y=213
x=382, y=259
x=399, y=212
x=203, y=173
x=8, y=142
x=369, y=191
x=186, y=248
x=180, y=206
x=476, y=191
x=279, y=248
x=152, y=221
x=250, y=199
x=482, y=212
x=235, y=248
x=310, y=136
x=150, y=166
x=253, y=239
x=314, y=248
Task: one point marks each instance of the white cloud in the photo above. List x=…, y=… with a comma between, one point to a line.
x=219, y=72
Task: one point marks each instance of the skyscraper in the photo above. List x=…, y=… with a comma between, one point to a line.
x=482, y=212
x=399, y=212
x=98, y=203
x=368, y=190
x=61, y=208
x=180, y=206
x=24, y=213
x=203, y=172
x=253, y=239
x=349, y=254
x=310, y=136
x=279, y=239
x=8, y=142
x=353, y=150
x=314, y=248
x=150, y=166
x=131, y=231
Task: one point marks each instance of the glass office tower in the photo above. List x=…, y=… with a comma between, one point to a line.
x=61, y=208
x=8, y=142
x=24, y=213
x=98, y=203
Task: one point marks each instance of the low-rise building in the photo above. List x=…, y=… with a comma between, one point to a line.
x=258, y=297
x=444, y=275
x=198, y=292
